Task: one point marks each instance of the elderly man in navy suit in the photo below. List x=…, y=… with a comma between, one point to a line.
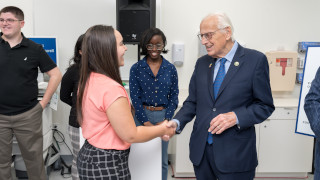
x=312, y=109
x=229, y=93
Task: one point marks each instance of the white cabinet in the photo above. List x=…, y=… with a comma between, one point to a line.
x=182, y=164
x=281, y=152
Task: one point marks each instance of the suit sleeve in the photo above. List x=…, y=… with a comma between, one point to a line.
x=312, y=105
x=188, y=110
x=261, y=106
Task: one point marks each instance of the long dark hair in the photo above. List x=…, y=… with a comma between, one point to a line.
x=99, y=54
x=147, y=36
x=76, y=59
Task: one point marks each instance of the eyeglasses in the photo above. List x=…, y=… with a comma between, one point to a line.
x=208, y=35
x=150, y=47
x=10, y=21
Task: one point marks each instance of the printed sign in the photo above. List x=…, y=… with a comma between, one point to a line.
x=49, y=45
x=312, y=64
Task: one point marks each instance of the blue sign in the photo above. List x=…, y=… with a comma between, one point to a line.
x=49, y=45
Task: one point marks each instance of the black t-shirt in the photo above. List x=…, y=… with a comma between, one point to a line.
x=18, y=75
x=68, y=92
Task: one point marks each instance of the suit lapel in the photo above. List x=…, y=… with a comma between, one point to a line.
x=235, y=65
x=210, y=76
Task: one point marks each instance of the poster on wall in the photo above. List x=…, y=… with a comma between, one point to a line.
x=49, y=44
x=312, y=63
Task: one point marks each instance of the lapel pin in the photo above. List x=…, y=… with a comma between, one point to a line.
x=236, y=63
x=210, y=65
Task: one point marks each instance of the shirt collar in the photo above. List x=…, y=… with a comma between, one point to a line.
x=1, y=39
x=232, y=52
x=24, y=41
x=164, y=63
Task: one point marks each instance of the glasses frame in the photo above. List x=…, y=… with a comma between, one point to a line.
x=9, y=21
x=208, y=35
x=159, y=47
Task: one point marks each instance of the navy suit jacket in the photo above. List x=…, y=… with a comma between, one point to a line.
x=246, y=91
x=312, y=109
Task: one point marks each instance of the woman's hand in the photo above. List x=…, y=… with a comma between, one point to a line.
x=169, y=130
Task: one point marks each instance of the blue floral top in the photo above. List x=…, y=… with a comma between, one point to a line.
x=147, y=89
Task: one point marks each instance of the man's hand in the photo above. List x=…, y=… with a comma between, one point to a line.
x=171, y=126
x=222, y=122
x=43, y=104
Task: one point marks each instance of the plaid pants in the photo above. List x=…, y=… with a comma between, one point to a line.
x=75, y=142
x=103, y=164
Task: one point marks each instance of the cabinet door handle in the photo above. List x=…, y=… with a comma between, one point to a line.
x=289, y=108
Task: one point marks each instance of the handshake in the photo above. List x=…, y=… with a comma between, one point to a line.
x=169, y=129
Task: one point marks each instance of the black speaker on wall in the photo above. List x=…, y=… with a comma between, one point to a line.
x=134, y=17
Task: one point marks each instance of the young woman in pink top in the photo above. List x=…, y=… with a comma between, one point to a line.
x=104, y=111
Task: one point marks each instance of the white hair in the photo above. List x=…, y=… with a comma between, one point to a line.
x=223, y=21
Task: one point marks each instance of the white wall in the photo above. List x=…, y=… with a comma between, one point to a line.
x=260, y=24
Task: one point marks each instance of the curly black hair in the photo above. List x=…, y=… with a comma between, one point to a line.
x=147, y=36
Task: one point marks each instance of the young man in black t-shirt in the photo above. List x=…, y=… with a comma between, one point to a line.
x=20, y=111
